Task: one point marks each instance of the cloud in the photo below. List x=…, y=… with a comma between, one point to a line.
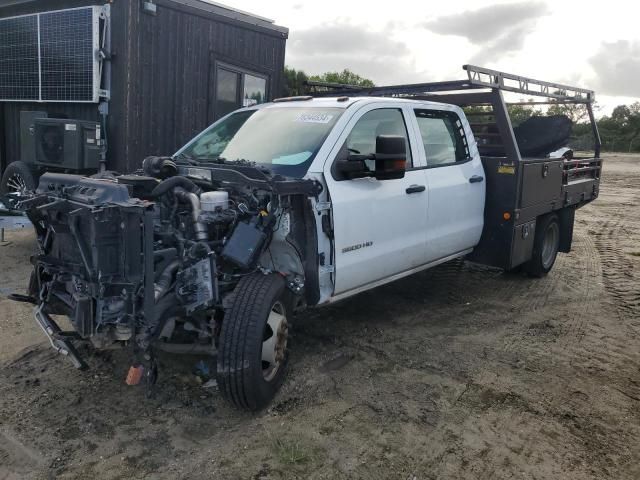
x=617, y=68
x=497, y=29
x=341, y=44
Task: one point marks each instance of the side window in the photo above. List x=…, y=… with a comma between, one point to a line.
x=443, y=136
x=384, y=121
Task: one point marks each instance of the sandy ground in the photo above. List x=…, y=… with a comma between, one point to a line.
x=456, y=373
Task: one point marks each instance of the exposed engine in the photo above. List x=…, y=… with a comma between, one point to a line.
x=150, y=259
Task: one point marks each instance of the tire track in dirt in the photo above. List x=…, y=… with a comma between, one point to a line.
x=532, y=296
x=602, y=268
x=563, y=410
x=620, y=278
x=16, y=459
x=584, y=288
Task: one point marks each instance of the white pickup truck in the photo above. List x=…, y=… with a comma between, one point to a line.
x=299, y=202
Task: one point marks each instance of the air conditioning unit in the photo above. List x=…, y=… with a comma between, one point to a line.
x=27, y=133
x=67, y=144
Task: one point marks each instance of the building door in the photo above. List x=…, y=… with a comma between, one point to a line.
x=236, y=88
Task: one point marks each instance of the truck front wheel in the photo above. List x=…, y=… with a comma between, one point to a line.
x=252, y=353
x=545, y=246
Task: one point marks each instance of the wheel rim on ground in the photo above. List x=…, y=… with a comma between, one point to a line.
x=274, y=341
x=550, y=245
x=16, y=184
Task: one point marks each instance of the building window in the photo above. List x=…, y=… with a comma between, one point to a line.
x=236, y=88
x=226, y=92
x=255, y=90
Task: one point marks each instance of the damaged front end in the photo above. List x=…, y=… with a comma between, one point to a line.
x=142, y=262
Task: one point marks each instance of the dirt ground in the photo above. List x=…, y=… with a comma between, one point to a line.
x=456, y=373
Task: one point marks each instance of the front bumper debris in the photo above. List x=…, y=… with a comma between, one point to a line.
x=60, y=341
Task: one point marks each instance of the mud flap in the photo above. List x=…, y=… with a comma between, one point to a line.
x=567, y=219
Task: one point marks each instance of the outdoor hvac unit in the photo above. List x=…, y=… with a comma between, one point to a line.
x=67, y=144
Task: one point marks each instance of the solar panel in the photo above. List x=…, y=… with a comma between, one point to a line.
x=67, y=55
x=19, y=76
x=50, y=57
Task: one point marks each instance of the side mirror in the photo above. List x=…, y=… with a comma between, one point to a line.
x=390, y=160
x=390, y=157
x=353, y=167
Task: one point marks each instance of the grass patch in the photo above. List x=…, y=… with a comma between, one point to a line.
x=290, y=452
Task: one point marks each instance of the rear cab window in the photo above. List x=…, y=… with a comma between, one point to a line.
x=443, y=137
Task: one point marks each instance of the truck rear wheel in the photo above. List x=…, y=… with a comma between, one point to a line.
x=17, y=178
x=252, y=353
x=545, y=246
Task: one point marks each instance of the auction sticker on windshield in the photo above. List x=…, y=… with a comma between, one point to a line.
x=314, y=118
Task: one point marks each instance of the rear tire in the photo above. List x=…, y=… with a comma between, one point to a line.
x=252, y=353
x=17, y=178
x=545, y=246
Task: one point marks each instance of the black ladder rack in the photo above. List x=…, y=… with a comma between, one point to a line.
x=478, y=78
x=482, y=87
x=484, y=77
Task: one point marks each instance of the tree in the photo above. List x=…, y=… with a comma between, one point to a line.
x=346, y=77
x=576, y=112
x=520, y=113
x=621, y=130
x=294, y=82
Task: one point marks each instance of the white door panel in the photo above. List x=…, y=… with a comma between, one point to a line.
x=379, y=228
x=456, y=208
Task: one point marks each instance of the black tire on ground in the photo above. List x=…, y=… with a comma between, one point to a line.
x=515, y=270
x=545, y=246
x=18, y=177
x=252, y=352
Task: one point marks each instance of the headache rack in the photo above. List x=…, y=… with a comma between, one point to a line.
x=525, y=186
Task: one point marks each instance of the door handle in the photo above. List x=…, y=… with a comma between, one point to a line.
x=476, y=179
x=415, y=189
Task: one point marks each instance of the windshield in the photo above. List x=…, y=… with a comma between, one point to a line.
x=285, y=140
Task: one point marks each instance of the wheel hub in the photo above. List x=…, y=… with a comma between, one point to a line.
x=550, y=245
x=16, y=184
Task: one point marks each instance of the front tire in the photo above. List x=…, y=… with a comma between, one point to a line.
x=545, y=246
x=252, y=353
x=18, y=178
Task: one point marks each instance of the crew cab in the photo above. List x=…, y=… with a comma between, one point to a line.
x=296, y=203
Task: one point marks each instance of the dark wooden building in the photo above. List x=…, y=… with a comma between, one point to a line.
x=160, y=70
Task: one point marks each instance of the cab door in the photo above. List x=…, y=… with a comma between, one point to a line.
x=456, y=182
x=379, y=225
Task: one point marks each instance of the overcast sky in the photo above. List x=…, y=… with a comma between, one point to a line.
x=594, y=45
